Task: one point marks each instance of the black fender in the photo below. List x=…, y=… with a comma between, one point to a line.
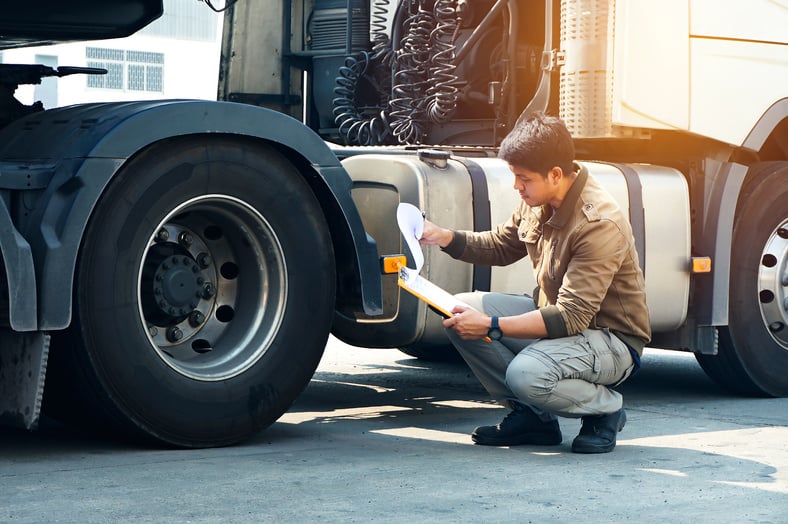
x=716, y=237
x=86, y=145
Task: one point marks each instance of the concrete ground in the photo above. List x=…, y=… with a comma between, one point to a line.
x=381, y=437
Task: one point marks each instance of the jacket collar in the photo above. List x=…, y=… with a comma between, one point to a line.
x=560, y=217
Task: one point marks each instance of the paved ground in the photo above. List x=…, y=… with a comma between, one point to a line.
x=381, y=437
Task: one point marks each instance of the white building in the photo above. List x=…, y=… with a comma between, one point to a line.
x=177, y=56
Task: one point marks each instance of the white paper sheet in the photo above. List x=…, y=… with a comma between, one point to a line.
x=411, y=225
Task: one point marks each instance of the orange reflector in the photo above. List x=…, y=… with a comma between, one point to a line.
x=701, y=264
x=392, y=263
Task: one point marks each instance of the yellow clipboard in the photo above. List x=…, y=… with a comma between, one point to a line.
x=435, y=296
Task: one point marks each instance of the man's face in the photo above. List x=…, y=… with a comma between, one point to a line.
x=534, y=189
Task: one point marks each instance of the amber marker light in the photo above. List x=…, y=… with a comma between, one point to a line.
x=391, y=263
x=701, y=264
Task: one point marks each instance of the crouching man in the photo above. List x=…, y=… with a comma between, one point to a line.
x=558, y=353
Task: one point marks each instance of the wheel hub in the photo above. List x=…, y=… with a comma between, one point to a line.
x=177, y=285
x=212, y=286
x=773, y=284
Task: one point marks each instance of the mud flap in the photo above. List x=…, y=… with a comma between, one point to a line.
x=23, y=363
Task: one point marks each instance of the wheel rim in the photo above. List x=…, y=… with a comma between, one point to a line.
x=773, y=285
x=212, y=287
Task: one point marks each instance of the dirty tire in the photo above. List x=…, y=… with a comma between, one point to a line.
x=198, y=319
x=753, y=348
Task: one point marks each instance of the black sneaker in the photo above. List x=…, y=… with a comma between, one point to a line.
x=598, y=433
x=521, y=426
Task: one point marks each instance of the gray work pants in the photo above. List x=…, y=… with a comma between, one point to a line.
x=568, y=377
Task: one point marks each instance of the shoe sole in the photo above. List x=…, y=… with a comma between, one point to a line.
x=527, y=439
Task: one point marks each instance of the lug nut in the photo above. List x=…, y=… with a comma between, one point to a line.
x=204, y=259
x=196, y=318
x=185, y=238
x=153, y=330
x=163, y=235
x=174, y=334
x=208, y=290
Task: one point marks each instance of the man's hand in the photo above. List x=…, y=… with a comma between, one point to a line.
x=468, y=323
x=435, y=235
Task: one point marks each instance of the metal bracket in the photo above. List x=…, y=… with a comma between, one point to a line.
x=706, y=340
x=23, y=364
x=553, y=59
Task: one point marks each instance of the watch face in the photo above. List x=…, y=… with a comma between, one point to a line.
x=495, y=334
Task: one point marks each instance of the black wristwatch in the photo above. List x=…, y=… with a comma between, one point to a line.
x=494, y=332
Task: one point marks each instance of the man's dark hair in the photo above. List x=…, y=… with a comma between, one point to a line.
x=538, y=143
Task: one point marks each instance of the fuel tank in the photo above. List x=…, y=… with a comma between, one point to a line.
x=474, y=193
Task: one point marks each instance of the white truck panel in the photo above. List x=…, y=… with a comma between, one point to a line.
x=707, y=67
x=724, y=105
x=651, y=83
x=757, y=20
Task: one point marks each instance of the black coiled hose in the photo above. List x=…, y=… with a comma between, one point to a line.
x=370, y=126
x=357, y=128
x=408, y=105
x=420, y=76
x=442, y=94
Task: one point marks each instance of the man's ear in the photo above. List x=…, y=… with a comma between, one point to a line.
x=555, y=174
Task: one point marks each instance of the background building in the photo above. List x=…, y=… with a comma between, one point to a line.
x=177, y=56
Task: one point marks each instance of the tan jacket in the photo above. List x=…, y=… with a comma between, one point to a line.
x=584, y=260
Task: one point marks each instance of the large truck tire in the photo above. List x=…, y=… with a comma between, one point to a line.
x=204, y=297
x=753, y=349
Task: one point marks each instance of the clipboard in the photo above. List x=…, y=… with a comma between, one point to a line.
x=435, y=296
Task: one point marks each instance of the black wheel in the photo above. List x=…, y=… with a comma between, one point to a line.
x=201, y=310
x=753, y=350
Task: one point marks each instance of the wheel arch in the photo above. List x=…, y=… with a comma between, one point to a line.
x=90, y=144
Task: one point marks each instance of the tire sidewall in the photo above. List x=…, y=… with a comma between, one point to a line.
x=143, y=387
x=763, y=206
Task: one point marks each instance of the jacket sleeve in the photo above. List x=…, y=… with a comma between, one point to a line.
x=598, y=253
x=498, y=247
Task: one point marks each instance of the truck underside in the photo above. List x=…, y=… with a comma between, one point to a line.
x=152, y=244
